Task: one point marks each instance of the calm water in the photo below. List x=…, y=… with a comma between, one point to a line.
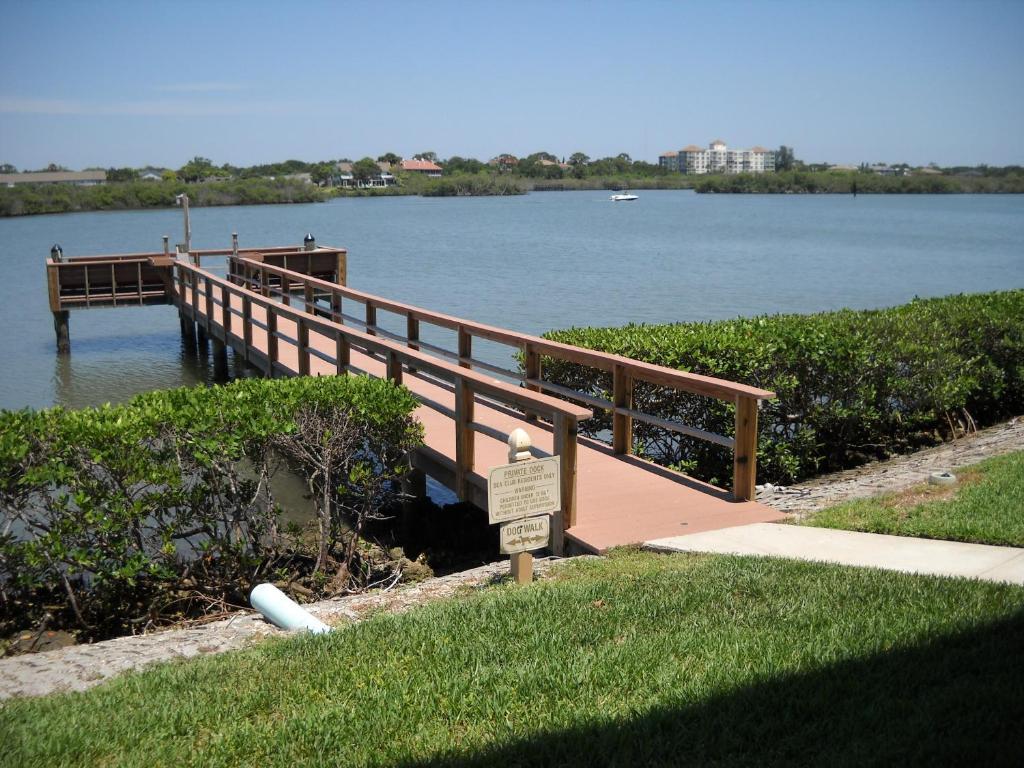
x=532, y=263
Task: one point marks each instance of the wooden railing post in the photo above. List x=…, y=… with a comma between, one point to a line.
x=341, y=353
x=394, y=367
x=464, y=437
x=531, y=366
x=341, y=267
x=53, y=286
x=465, y=348
x=744, y=470
x=286, y=291
x=194, y=283
x=412, y=335
x=208, y=290
x=302, y=340
x=271, y=340
x=336, y=308
x=264, y=282
x=565, y=429
x=310, y=299
x=622, y=424
x=371, y=319
x=246, y=325
x=225, y=310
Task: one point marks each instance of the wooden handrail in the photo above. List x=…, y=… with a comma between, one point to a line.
x=656, y=374
x=625, y=372
x=466, y=382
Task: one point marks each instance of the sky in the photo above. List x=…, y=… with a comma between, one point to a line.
x=113, y=84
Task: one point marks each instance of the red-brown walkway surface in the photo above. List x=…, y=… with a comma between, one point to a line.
x=620, y=499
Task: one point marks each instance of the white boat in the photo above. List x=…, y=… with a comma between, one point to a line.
x=622, y=197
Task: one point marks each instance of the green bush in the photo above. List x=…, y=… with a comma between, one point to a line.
x=852, y=385
x=113, y=518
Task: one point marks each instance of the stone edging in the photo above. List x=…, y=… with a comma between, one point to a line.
x=82, y=666
x=894, y=474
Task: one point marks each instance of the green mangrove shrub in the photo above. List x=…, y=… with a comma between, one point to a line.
x=113, y=519
x=852, y=385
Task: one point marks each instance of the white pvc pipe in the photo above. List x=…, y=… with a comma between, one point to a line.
x=283, y=611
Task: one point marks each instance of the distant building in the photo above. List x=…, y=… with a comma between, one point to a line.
x=842, y=167
x=886, y=170
x=343, y=177
x=718, y=158
x=422, y=167
x=504, y=162
x=151, y=174
x=77, y=178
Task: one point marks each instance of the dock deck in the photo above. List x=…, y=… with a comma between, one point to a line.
x=285, y=322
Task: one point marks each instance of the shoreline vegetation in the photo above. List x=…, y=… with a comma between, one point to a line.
x=852, y=385
x=37, y=199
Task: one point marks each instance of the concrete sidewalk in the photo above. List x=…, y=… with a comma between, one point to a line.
x=869, y=550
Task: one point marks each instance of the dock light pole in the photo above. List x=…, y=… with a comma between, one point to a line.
x=182, y=200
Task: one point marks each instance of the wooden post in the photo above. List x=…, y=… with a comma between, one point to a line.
x=60, y=326
x=565, y=446
x=464, y=437
x=371, y=319
x=341, y=268
x=271, y=340
x=53, y=286
x=414, y=489
x=286, y=291
x=531, y=365
x=302, y=340
x=220, y=360
x=744, y=468
x=208, y=317
x=465, y=348
x=188, y=333
x=521, y=563
x=412, y=334
x=622, y=425
x=225, y=311
x=246, y=325
x=394, y=368
x=336, y=308
x=309, y=298
x=341, y=353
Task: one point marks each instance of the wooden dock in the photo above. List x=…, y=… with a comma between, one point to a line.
x=288, y=312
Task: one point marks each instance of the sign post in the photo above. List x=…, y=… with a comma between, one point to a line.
x=521, y=496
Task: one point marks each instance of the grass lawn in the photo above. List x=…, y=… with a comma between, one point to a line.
x=640, y=659
x=986, y=507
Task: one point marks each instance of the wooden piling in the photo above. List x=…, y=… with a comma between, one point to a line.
x=220, y=360
x=60, y=325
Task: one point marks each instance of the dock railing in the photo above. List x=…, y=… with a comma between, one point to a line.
x=328, y=299
x=109, y=281
x=207, y=299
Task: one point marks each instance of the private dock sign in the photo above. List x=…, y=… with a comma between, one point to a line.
x=523, y=489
